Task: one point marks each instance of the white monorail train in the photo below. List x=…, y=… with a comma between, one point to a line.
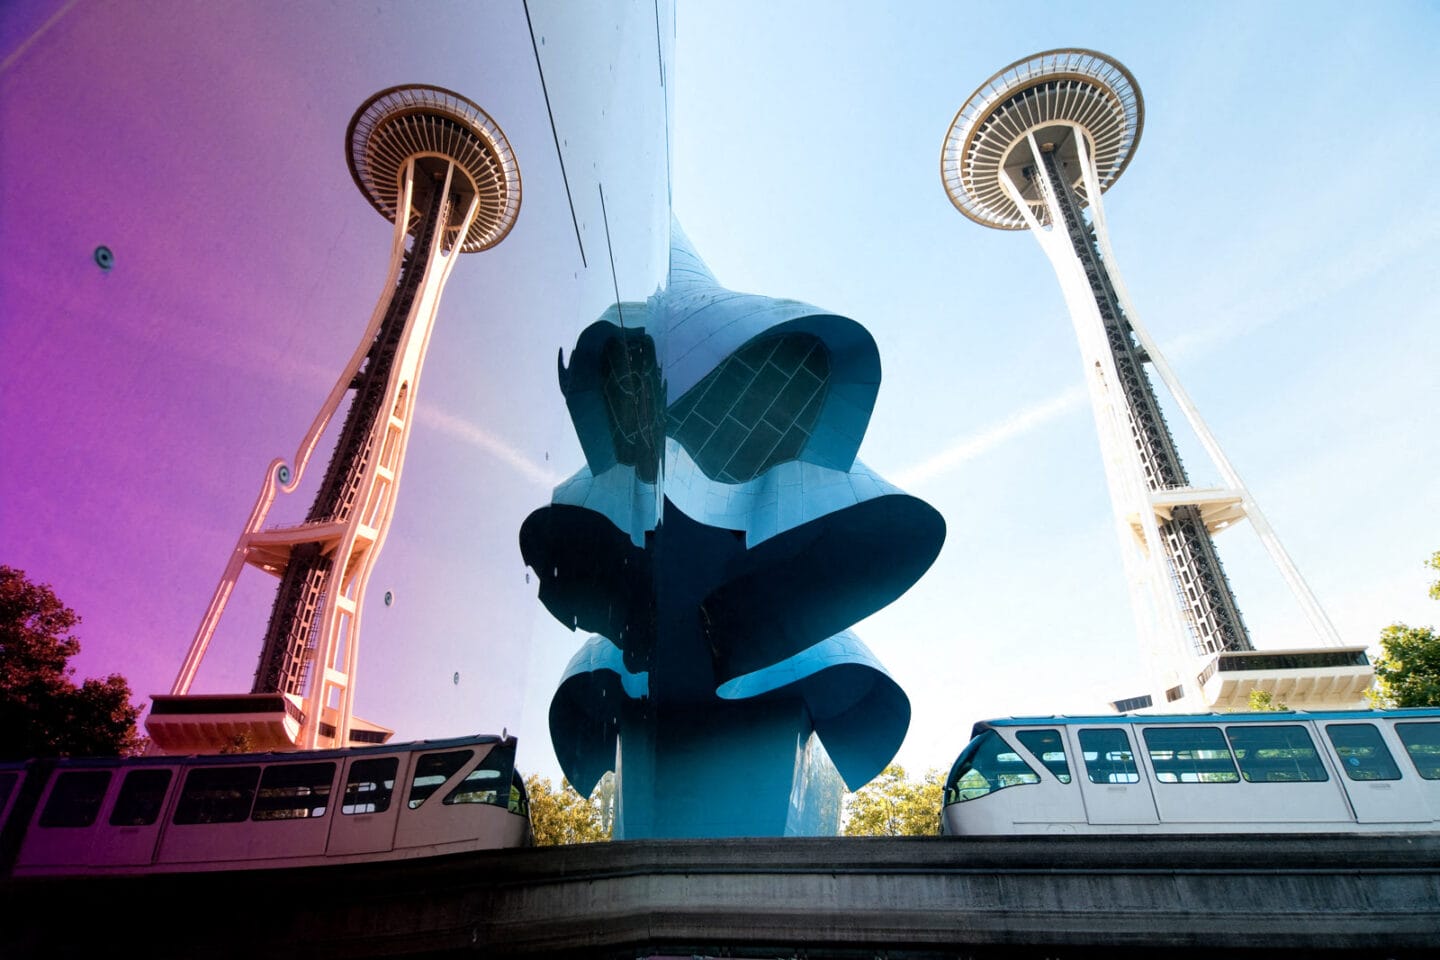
x=251, y=811
x=1290, y=772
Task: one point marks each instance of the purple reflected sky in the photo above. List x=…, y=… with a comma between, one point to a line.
x=1275, y=231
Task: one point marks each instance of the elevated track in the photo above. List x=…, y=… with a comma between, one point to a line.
x=1063, y=897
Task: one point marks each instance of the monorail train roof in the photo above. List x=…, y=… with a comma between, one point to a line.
x=274, y=756
x=1271, y=716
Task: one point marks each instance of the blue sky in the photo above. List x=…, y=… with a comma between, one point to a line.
x=1272, y=241
x=1275, y=230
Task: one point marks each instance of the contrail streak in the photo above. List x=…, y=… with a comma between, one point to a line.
x=466, y=432
x=968, y=448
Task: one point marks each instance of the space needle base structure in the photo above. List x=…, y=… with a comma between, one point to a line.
x=1034, y=148
x=436, y=166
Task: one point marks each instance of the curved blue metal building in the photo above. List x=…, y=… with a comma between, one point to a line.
x=718, y=546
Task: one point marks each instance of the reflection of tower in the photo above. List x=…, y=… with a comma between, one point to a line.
x=440, y=169
x=1034, y=146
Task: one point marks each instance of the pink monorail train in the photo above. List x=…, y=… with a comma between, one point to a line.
x=251, y=811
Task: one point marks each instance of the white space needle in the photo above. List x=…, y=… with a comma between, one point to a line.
x=1034, y=148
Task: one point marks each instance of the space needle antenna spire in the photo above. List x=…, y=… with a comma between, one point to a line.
x=440, y=169
x=1035, y=147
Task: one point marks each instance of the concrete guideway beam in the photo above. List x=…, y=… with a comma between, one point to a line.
x=1116, y=896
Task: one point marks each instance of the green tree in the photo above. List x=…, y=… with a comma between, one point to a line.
x=240, y=742
x=893, y=805
x=1407, y=673
x=563, y=816
x=42, y=711
x=1262, y=701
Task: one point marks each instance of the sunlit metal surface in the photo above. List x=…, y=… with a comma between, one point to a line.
x=402, y=122
x=1076, y=88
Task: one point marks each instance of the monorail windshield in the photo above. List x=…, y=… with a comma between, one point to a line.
x=988, y=764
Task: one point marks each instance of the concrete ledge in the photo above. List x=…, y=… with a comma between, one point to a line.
x=1375, y=895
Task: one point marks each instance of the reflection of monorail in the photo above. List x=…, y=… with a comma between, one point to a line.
x=1208, y=773
x=161, y=814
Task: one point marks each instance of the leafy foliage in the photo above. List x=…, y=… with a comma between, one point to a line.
x=1262, y=701
x=563, y=816
x=42, y=711
x=1407, y=674
x=240, y=742
x=893, y=805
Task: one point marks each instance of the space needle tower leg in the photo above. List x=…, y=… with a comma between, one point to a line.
x=437, y=166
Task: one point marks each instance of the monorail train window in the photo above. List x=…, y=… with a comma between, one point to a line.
x=75, y=799
x=1190, y=755
x=986, y=765
x=1049, y=749
x=1276, y=754
x=519, y=799
x=1108, y=758
x=294, y=791
x=489, y=782
x=217, y=795
x=369, y=786
x=482, y=785
x=431, y=772
x=1362, y=752
x=142, y=795
x=1422, y=742
x=7, y=784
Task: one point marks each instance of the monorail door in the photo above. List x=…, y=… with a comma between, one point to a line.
x=371, y=796
x=1372, y=774
x=1114, y=786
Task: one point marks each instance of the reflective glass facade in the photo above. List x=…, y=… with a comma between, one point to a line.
x=719, y=546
